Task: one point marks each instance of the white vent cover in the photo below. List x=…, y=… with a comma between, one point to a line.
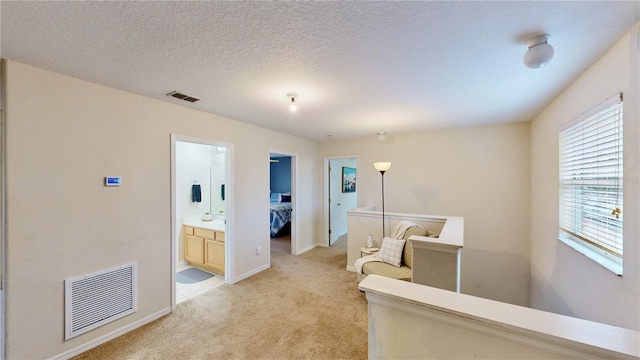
x=99, y=298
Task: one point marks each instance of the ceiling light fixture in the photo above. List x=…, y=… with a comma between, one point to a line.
x=292, y=105
x=539, y=53
x=382, y=135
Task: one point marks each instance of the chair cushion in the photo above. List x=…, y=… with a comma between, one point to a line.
x=391, y=251
x=407, y=255
x=384, y=269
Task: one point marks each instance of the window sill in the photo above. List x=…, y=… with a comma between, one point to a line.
x=606, y=260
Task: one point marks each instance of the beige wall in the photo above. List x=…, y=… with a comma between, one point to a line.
x=481, y=174
x=563, y=280
x=63, y=136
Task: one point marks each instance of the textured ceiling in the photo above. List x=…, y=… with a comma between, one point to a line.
x=358, y=67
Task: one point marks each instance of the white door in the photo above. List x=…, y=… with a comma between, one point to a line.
x=334, y=201
x=340, y=200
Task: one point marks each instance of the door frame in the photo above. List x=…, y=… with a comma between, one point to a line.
x=294, y=199
x=3, y=233
x=327, y=193
x=228, y=236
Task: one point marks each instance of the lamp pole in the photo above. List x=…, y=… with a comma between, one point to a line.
x=382, y=167
x=382, y=173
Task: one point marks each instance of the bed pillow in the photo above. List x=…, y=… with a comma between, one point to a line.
x=285, y=198
x=275, y=197
x=282, y=195
x=391, y=251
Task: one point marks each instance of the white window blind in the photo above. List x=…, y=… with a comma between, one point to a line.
x=591, y=174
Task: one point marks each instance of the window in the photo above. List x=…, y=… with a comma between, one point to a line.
x=591, y=174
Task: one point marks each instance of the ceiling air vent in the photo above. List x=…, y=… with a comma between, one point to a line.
x=181, y=96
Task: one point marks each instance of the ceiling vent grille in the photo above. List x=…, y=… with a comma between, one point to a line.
x=181, y=96
x=96, y=299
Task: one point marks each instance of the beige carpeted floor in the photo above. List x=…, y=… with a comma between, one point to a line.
x=281, y=244
x=303, y=307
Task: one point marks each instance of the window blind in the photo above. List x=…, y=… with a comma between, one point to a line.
x=591, y=177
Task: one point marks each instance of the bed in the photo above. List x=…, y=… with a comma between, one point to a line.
x=280, y=217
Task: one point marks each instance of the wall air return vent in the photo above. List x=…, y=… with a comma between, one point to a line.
x=181, y=96
x=93, y=300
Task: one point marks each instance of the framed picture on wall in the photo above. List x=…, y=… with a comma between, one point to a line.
x=348, y=179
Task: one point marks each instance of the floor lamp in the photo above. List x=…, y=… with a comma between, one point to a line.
x=382, y=167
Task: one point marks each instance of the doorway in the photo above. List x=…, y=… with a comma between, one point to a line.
x=3, y=225
x=282, y=200
x=341, y=195
x=200, y=222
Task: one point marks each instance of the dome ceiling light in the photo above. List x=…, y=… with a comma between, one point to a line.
x=539, y=53
x=292, y=105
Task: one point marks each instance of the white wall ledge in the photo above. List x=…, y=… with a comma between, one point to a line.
x=437, y=261
x=368, y=211
x=445, y=244
x=363, y=221
x=543, y=331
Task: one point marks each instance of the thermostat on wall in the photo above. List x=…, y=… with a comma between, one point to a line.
x=113, y=181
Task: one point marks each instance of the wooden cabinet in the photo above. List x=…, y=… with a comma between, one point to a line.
x=194, y=250
x=214, y=255
x=204, y=248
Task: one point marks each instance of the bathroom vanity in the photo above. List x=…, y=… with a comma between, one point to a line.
x=204, y=244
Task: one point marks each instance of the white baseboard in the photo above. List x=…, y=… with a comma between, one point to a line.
x=312, y=246
x=336, y=238
x=351, y=268
x=112, y=335
x=250, y=273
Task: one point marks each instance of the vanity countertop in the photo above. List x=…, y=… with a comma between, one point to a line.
x=196, y=221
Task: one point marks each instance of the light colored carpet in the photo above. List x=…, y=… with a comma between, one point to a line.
x=303, y=307
x=281, y=244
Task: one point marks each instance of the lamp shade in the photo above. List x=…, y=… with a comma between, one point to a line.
x=382, y=166
x=539, y=53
